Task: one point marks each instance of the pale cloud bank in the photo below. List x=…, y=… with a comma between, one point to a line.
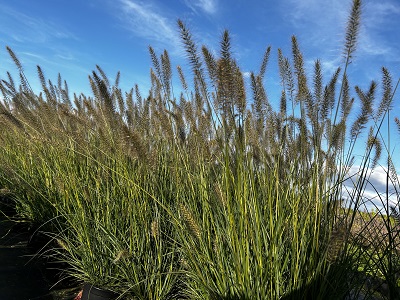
x=377, y=193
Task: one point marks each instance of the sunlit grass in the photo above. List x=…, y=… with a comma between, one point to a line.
x=206, y=194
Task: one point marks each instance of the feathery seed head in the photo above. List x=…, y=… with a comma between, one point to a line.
x=121, y=255
x=154, y=229
x=353, y=27
x=190, y=221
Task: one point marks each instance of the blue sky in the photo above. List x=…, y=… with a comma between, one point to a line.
x=72, y=36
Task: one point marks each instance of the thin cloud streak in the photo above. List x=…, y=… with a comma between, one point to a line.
x=378, y=12
x=377, y=16
x=370, y=46
x=331, y=17
x=320, y=26
x=144, y=21
x=207, y=6
x=31, y=30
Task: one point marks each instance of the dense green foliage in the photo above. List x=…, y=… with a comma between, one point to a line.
x=205, y=194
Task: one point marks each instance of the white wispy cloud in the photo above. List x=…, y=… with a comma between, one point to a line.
x=323, y=24
x=319, y=27
x=66, y=56
x=372, y=46
x=379, y=16
x=379, y=11
x=328, y=16
x=246, y=74
x=25, y=29
x=147, y=21
x=34, y=56
x=207, y=6
x=329, y=64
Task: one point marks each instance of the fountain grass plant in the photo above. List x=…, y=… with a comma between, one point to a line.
x=25, y=177
x=261, y=228
x=99, y=201
x=115, y=236
x=208, y=195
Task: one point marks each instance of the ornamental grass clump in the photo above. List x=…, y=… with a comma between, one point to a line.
x=211, y=193
x=96, y=181
x=263, y=219
x=116, y=237
x=255, y=213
